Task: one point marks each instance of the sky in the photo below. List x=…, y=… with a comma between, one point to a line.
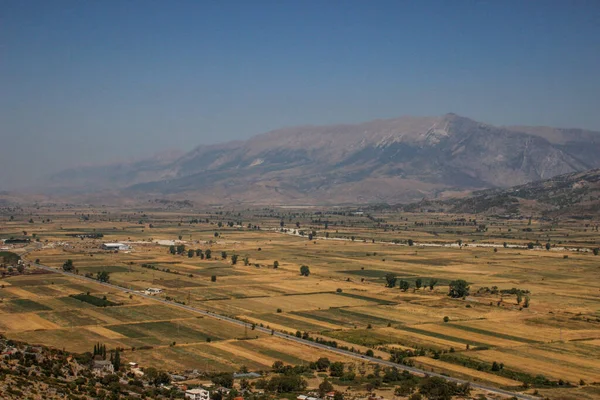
x=99, y=81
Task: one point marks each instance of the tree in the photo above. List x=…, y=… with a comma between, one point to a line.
x=246, y=261
x=432, y=283
x=458, y=288
x=20, y=268
x=369, y=353
x=198, y=252
x=208, y=254
x=172, y=249
x=304, y=270
x=390, y=280
x=224, y=379
x=325, y=387
x=180, y=248
x=596, y=251
x=530, y=245
x=234, y=259
x=190, y=253
x=505, y=245
x=117, y=360
x=323, y=363
x=418, y=283
x=404, y=285
x=68, y=266
x=410, y=242
x=103, y=276
x=436, y=388
x=548, y=246
x=223, y=255
x=336, y=369
x=275, y=264
x=213, y=278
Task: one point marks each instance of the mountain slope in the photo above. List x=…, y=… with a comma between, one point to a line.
x=396, y=160
x=575, y=194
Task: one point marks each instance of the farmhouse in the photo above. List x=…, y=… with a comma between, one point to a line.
x=197, y=394
x=114, y=246
x=153, y=291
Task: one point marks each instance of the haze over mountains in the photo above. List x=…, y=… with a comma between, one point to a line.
x=392, y=161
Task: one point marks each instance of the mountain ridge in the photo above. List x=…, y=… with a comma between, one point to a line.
x=389, y=160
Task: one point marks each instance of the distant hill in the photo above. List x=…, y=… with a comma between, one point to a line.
x=574, y=195
x=391, y=161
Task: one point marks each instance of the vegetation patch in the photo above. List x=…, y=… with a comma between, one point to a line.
x=95, y=301
x=26, y=305
x=367, y=298
x=9, y=258
x=442, y=336
x=495, y=334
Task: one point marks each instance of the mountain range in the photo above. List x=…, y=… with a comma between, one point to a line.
x=383, y=161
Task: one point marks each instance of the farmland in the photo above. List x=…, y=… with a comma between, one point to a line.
x=549, y=325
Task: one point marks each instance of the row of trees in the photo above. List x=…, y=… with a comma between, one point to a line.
x=392, y=280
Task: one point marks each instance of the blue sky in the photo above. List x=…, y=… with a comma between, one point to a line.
x=97, y=81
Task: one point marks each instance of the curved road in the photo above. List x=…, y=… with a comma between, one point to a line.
x=346, y=353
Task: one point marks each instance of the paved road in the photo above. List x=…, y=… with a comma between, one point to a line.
x=489, y=389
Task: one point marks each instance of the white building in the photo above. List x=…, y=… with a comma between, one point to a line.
x=115, y=246
x=197, y=394
x=153, y=291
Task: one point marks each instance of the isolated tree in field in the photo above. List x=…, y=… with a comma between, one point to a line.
x=234, y=259
x=304, y=270
x=68, y=266
x=190, y=253
x=505, y=245
x=275, y=264
x=180, y=248
x=103, y=276
x=432, y=283
x=310, y=236
x=180, y=237
x=172, y=249
x=390, y=280
x=246, y=261
x=404, y=285
x=223, y=255
x=530, y=245
x=458, y=288
x=548, y=246
x=198, y=252
x=208, y=254
x=596, y=251
x=459, y=241
x=410, y=242
x=213, y=278
x=418, y=283
x=20, y=268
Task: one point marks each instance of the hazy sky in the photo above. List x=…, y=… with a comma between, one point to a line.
x=94, y=81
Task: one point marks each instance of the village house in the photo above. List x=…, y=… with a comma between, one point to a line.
x=197, y=394
x=101, y=367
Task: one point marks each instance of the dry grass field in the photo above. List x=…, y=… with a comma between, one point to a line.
x=552, y=344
